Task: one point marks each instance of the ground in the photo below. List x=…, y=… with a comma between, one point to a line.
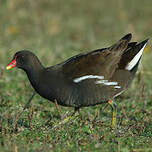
x=56, y=30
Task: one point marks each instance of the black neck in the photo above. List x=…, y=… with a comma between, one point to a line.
x=34, y=71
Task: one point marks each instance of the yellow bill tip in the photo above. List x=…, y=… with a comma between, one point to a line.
x=12, y=64
x=8, y=67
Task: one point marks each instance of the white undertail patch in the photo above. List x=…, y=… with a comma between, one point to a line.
x=134, y=61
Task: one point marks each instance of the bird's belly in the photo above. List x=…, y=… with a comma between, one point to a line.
x=93, y=96
x=63, y=95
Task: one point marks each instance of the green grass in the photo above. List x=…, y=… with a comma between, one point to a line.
x=56, y=30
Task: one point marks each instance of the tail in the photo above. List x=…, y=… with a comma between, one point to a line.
x=131, y=56
x=115, y=53
x=135, y=54
x=122, y=44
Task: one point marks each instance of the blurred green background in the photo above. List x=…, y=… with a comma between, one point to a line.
x=56, y=30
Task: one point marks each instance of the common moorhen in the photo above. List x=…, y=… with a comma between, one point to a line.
x=86, y=79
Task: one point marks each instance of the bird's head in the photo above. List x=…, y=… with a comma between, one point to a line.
x=22, y=59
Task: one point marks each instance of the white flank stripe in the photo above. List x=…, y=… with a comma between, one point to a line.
x=134, y=61
x=117, y=87
x=100, y=81
x=76, y=80
x=111, y=83
x=105, y=82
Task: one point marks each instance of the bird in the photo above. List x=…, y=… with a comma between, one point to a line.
x=87, y=79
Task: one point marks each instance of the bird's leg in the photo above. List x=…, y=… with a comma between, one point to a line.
x=15, y=117
x=71, y=116
x=114, y=113
x=76, y=109
x=29, y=101
x=56, y=105
x=27, y=104
x=67, y=118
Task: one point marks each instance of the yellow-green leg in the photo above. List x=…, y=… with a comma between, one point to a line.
x=65, y=120
x=70, y=117
x=114, y=113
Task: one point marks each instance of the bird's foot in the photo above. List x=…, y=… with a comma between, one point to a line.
x=68, y=117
